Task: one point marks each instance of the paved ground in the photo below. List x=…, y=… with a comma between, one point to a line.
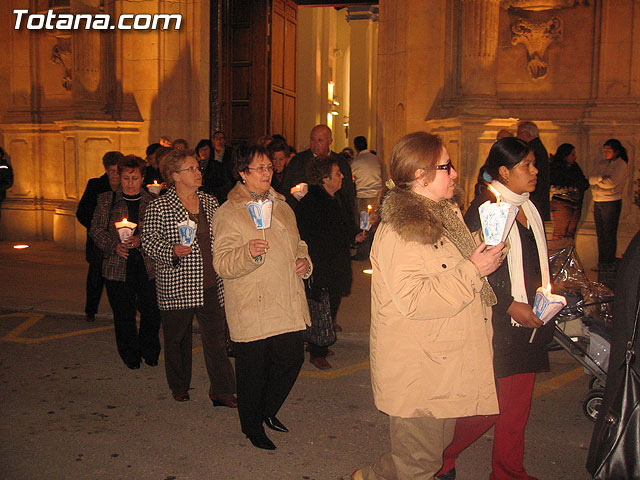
x=71, y=410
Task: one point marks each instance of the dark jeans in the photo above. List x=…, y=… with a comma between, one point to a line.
x=565, y=218
x=177, y=329
x=137, y=293
x=265, y=372
x=606, y=216
x=95, y=282
x=317, y=351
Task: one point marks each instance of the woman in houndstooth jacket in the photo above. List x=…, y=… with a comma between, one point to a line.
x=187, y=283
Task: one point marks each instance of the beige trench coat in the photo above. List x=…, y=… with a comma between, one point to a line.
x=431, y=334
x=262, y=298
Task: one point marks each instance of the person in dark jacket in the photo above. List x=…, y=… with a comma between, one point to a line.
x=128, y=271
x=320, y=141
x=328, y=230
x=568, y=185
x=215, y=181
x=6, y=175
x=528, y=132
x=516, y=359
x=108, y=182
x=278, y=153
x=625, y=306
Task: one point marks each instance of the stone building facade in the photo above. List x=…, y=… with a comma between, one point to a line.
x=461, y=68
x=467, y=68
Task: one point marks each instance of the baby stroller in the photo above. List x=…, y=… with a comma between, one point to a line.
x=592, y=303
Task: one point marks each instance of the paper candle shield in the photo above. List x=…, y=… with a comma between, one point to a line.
x=187, y=231
x=546, y=304
x=125, y=229
x=261, y=213
x=365, y=220
x=496, y=219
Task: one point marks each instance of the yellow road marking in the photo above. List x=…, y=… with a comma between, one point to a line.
x=555, y=383
x=32, y=319
x=339, y=372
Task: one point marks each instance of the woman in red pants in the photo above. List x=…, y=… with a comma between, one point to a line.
x=510, y=170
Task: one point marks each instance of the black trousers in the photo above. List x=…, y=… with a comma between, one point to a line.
x=138, y=292
x=606, y=216
x=95, y=282
x=316, y=350
x=265, y=372
x=177, y=329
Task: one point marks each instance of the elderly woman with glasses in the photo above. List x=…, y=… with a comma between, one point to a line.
x=187, y=283
x=264, y=294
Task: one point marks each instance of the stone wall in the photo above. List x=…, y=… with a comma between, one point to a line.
x=70, y=96
x=467, y=68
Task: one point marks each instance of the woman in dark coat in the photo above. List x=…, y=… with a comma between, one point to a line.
x=510, y=170
x=128, y=271
x=627, y=295
x=328, y=232
x=568, y=185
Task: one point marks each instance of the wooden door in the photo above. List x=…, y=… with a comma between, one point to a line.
x=283, y=69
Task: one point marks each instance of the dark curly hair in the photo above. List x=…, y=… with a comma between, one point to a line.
x=319, y=168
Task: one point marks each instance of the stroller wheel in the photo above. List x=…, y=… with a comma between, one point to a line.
x=592, y=403
x=596, y=384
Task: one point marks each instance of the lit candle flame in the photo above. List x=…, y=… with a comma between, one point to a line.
x=155, y=182
x=549, y=287
x=124, y=220
x=495, y=192
x=369, y=207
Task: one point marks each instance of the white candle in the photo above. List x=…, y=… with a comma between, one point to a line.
x=546, y=305
x=154, y=187
x=125, y=229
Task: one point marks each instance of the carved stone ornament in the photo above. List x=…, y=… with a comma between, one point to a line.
x=537, y=37
x=61, y=55
x=538, y=5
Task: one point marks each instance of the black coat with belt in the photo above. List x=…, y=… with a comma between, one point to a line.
x=328, y=231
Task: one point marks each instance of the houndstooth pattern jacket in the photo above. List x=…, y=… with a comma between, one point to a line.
x=179, y=282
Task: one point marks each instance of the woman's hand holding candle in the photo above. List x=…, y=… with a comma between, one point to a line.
x=258, y=247
x=302, y=266
x=181, y=250
x=487, y=260
x=523, y=314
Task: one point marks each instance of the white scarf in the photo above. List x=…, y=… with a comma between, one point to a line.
x=514, y=257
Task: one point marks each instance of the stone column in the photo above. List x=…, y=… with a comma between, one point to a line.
x=479, y=31
x=363, y=21
x=88, y=99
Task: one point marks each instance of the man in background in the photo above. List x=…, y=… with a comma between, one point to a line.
x=106, y=183
x=528, y=132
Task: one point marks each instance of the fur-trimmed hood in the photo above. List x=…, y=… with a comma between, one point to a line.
x=411, y=216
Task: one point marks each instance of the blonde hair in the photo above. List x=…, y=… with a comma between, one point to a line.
x=417, y=150
x=172, y=162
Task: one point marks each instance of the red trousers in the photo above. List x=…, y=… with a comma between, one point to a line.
x=514, y=400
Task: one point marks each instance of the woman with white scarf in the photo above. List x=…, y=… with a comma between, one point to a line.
x=510, y=169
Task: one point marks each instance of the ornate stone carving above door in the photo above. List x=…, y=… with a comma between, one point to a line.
x=61, y=55
x=536, y=37
x=538, y=5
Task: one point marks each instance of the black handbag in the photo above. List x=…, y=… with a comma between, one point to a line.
x=321, y=331
x=617, y=451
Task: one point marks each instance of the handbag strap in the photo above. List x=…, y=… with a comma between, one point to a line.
x=632, y=343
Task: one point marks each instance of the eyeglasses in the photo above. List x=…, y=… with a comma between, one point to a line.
x=447, y=166
x=190, y=169
x=262, y=168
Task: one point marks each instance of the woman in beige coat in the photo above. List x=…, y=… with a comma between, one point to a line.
x=265, y=301
x=431, y=356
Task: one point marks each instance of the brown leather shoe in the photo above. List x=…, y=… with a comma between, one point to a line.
x=181, y=396
x=224, y=400
x=320, y=363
